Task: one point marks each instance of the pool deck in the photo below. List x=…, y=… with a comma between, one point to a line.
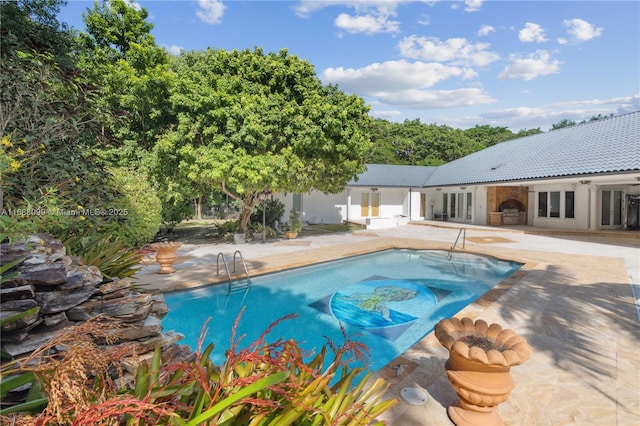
x=573, y=301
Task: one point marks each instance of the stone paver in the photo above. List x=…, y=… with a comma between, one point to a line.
x=572, y=301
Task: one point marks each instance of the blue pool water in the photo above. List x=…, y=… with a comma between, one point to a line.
x=387, y=300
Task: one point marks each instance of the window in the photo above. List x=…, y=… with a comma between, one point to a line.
x=469, y=207
x=542, y=204
x=569, y=205
x=554, y=204
x=549, y=204
x=460, y=212
x=297, y=202
x=452, y=207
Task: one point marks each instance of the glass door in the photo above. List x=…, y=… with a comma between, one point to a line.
x=611, y=209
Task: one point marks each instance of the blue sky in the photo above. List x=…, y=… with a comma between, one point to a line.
x=515, y=64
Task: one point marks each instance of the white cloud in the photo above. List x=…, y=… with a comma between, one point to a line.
x=432, y=99
x=485, y=30
x=535, y=65
x=387, y=115
x=531, y=32
x=562, y=41
x=405, y=84
x=454, y=50
x=173, y=49
x=368, y=24
x=581, y=30
x=389, y=76
x=424, y=20
x=473, y=5
x=369, y=17
x=210, y=11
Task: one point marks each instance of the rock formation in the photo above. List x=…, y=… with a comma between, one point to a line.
x=65, y=292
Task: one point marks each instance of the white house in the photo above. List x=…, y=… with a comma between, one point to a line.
x=581, y=177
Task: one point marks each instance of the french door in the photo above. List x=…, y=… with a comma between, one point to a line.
x=611, y=209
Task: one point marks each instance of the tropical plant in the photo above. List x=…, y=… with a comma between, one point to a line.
x=110, y=255
x=262, y=384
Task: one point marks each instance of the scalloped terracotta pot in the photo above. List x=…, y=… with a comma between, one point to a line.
x=166, y=255
x=480, y=358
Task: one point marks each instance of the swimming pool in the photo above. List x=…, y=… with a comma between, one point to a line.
x=387, y=300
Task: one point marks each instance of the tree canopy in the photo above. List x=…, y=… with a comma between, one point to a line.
x=252, y=124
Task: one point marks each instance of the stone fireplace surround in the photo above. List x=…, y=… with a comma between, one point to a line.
x=500, y=198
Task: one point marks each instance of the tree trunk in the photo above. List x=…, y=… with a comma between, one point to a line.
x=245, y=215
x=198, y=207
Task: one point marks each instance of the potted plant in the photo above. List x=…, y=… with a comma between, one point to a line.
x=295, y=224
x=480, y=357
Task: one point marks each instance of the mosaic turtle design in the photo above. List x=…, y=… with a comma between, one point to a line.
x=375, y=301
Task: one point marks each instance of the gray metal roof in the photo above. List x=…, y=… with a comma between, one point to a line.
x=598, y=147
x=386, y=175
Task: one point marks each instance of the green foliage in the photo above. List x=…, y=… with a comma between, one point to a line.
x=174, y=211
x=295, y=221
x=251, y=123
x=111, y=256
x=415, y=143
x=132, y=74
x=228, y=227
x=562, y=124
x=273, y=209
x=137, y=214
x=13, y=228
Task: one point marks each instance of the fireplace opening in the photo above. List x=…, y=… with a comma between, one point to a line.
x=511, y=204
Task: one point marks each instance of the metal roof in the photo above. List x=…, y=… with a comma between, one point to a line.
x=610, y=145
x=598, y=147
x=385, y=175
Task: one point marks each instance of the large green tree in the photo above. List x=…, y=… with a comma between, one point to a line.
x=133, y=76
x=252, y=124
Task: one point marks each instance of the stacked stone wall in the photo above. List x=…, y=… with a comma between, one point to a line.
x=66, y=292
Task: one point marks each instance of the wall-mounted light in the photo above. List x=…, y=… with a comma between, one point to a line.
x=463, y=187
x=585, y=182
x=374, y=189
x=438, y=189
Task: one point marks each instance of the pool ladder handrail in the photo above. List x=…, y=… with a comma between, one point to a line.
x=226, y=267
x=462, y=231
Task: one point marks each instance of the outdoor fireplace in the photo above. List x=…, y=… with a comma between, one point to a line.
x=507, y=205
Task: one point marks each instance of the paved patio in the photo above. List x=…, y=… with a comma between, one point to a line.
x=573, y=301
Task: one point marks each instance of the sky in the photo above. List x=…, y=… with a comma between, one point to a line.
x=515, y=64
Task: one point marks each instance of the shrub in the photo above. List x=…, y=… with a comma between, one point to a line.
x=274, y=209
x=137, y=213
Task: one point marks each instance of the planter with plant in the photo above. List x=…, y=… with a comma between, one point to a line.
x=295, y=224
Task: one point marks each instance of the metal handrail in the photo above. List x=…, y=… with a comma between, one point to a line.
x=462, y=231
x=244, y=265
x=226, y=267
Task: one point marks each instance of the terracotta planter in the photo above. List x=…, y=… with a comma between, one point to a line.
x=480, y=358
x=291, y=234
x=166, y=255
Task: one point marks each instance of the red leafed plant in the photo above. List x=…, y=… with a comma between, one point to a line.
x=262, y=384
